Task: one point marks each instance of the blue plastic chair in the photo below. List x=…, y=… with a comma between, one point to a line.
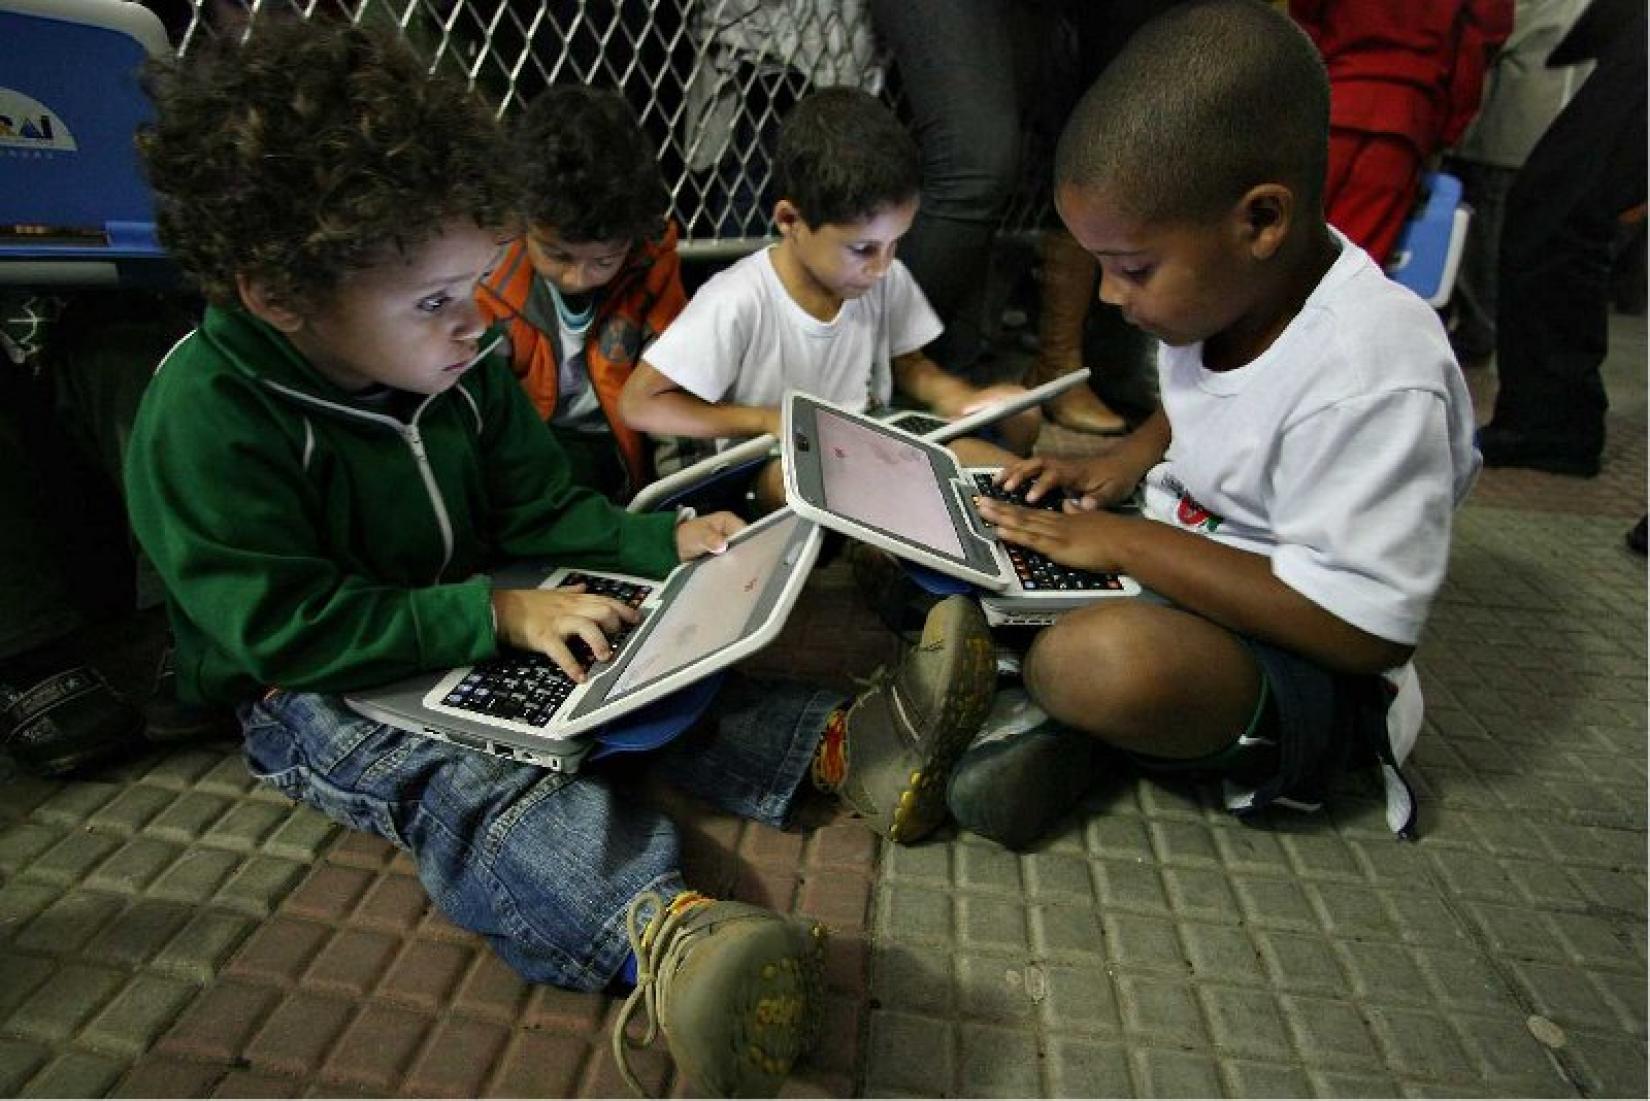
x=1427, y=255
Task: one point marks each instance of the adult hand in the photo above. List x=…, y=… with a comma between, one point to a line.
x=546, y=620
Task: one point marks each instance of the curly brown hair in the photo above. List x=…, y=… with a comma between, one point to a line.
x=587, y=169
x=301, y=155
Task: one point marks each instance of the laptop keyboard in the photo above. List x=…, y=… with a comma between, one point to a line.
x=527, y=687
x=920, y=424
x=1037, y=572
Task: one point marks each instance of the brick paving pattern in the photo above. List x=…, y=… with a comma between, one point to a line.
x=169, y=928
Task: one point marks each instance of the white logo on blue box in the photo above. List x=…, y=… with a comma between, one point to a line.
x=26, y=123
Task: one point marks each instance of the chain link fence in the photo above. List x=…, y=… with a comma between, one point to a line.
x=708, y=79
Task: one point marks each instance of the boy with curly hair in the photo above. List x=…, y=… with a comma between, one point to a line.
x=323, y=470
x=593, y=280
x=1299, y=480
x=828, y=310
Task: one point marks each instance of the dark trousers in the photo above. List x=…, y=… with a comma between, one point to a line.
x=989, y=84
x=1552, y=321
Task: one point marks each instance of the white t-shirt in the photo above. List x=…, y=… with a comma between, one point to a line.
x=1341, y=452
x=743, y=339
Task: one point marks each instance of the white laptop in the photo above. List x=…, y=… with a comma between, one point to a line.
x=909, y=496
x=706, y=615
x=927, y=425
x=940, y=430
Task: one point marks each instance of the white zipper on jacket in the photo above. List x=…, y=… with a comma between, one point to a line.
x=409, y=435
x=415, y=442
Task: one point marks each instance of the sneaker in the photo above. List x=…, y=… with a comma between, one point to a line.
x=907, y=729
x=68, y=720
x=1021, y=774
x=735, y=988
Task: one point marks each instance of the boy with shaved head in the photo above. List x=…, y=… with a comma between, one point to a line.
x=1299, y=481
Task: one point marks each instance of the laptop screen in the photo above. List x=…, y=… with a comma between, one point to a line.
x=887, y=482
x=717, y=603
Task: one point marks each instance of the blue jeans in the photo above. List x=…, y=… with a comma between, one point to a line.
x=542, y=864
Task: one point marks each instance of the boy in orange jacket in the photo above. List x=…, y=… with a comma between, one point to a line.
x=594, y=278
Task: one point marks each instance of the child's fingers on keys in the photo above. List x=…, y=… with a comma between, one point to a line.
x=1016, y=472
x=559, y=652
x=594, y=637
x=610, y=613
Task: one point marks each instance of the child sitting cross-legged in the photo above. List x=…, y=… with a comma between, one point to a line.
x=828, y=310
x=1300, y=478
x=594, y=278
x=325, y=468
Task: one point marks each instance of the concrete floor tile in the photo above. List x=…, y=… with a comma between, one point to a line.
x=1161, y=1073
x=351, y=963
x=377, y=1048
x=158, y=1076
x=137, y=1015
x=539, y=1064
x=1222, y=953
x=218, y=1025
x=491, y=991
x=1611, y=1066
x=1245, y=1078
x=999, y=989
x=425, y=974
x=912, y=978
x=19, y=1059
x=458, y=1059
x=297, y=1036
x=909, y=1052
x=74, y=1074
x=203, y=945
x=68, y=923
x=996, y=1062
x=991, y=924
x=1139, y=942
x=1084, y=1068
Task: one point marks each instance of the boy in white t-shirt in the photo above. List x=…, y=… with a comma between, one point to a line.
x=1314, y=440
x=827, y=310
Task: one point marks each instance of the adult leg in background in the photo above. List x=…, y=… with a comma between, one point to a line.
x=1552, y=327
x=956, y=64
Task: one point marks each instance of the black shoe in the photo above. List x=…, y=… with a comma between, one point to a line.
x=171, y=720
x=1636, y=537
x=1510, y=447
x=1021, y=775
x=68, y=720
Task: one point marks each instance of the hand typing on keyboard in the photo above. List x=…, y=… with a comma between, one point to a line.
x=1083, y=540
x=1101, y=481
x=572, y=626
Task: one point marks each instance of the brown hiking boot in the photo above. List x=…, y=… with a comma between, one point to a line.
x=907, y=729
x=736, y=989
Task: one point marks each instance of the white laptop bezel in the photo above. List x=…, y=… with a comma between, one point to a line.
x=796, y=407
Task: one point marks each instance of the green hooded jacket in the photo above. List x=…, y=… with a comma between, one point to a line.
x=311, y=540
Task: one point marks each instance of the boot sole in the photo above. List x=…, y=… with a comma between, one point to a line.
x=921, y=805
x=775, y=1003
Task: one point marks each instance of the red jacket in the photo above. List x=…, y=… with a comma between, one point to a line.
x=633, y=308
x=1414, y=68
